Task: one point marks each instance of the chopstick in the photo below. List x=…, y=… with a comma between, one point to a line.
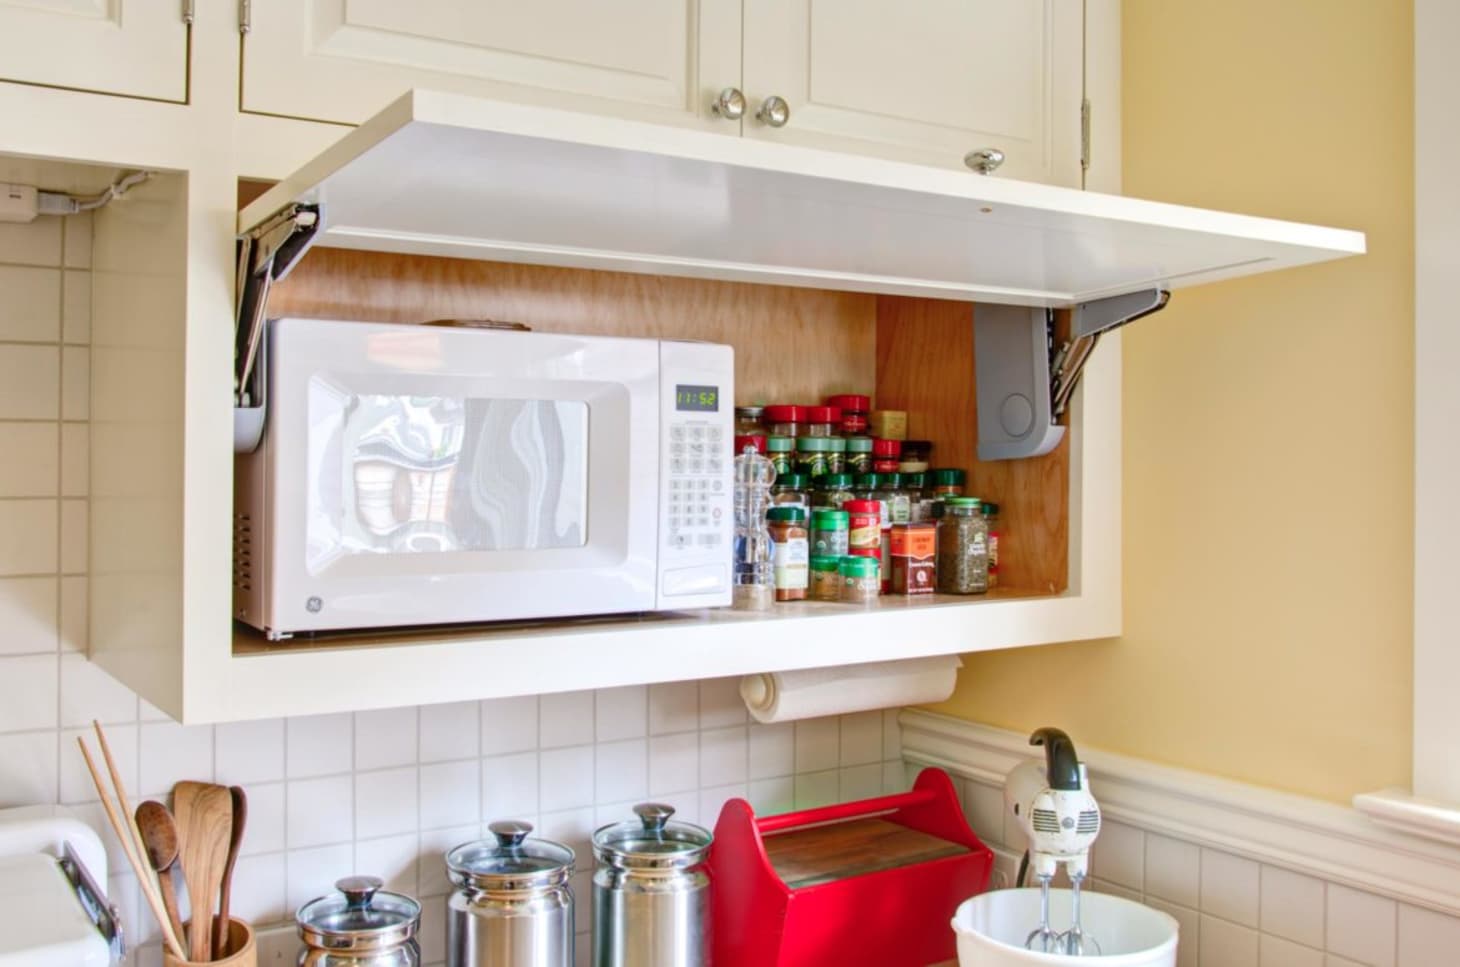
x=131, y=847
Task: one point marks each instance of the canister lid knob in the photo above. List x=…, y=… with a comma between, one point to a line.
x=510, y=833
x=653, y=815
x=359, y=890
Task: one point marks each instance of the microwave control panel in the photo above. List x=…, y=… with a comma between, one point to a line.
x=696, y=472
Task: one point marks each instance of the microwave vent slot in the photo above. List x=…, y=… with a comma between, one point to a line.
x=243, y=552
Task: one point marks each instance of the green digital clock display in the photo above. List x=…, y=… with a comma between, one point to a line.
x=697, y=399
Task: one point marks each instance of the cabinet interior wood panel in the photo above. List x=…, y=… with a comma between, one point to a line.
x=137, y=48
x=341, y=61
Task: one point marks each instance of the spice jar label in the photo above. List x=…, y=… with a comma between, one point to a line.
x=790, y=560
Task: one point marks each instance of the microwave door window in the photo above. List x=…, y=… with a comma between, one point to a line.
x=405, y=474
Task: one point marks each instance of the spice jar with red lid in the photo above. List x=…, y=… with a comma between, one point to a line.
x=886, y=455
x=822, y=421
x=755, y=441
x=854, y=408
x=784, y=420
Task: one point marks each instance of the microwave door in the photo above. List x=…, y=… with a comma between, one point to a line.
x=490, y=477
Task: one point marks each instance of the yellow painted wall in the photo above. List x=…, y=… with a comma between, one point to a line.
x=1268, y=422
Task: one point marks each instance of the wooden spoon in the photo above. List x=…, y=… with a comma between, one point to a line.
x=240, y=817
x=159, y=839
x=204, y=814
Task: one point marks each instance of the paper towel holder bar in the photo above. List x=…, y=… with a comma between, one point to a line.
x=1022, y=384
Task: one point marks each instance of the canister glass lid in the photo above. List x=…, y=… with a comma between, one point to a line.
x=653, y=841
x=361, y=916
x=509, y=861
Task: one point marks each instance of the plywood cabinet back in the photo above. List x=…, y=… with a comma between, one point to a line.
x=791, y=345
x=925, y=366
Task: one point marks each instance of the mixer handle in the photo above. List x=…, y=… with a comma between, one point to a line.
x=1061, y=765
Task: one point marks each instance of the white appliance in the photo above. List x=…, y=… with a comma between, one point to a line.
x=1051, y=802
x=53, y=913
x=415, y=475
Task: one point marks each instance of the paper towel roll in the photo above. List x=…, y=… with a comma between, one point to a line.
x=813, y=692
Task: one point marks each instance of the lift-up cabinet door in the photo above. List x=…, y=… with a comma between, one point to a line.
x=928, y=82
x=138, y=48
x=653, y=60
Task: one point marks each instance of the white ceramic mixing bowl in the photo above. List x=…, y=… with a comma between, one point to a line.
x=993, y=926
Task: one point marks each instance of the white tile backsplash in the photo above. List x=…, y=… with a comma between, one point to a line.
x=28, y=613
x=249, y=752
x=29, y=691
x=565, y=719
x=1292, y=906
x=1173, y=870
x=1225, y=944
x=509, y=725
x=30, y=382
x=318, y=745
x=1229, y=887
x=385, y=737
x=674, y=764
x=1361, y=926
x=723, y=755
x=622, y=713
x=387, y=802
x=1427, y=939
x=31, y=308
x=817, y=745
x=449, y=732
x=860, y=738
x=32, y=459
x=674, y=707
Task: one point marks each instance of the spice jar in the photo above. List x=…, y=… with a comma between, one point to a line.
x=915, y=455
x=755, y=441
x=790, y=551
x=826, y=578
x=859, y=454
x=885, y=455
x=889, y=424
x=836, y=454
x=784, y=420
x=948, y=482
x=829, y=532
x=919, y=495
x=861, y=581
x=896, y=500
x=811, y=454
x=914, y=549
x=782, y=453
x=963, y=553
x=748, y=420
x=823, y=421
x=790, y=490
x=360, y=926
x=864, y=525
x=855, y=408
x=864, y=484
x=832, y=490
x=991, y=516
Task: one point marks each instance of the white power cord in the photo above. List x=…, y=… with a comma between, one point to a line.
x=54, y=203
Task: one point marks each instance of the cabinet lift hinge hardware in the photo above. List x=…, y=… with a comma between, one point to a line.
x=1022, y=388
x=245, y=16
x=188, y=11
x=265, y=255
x=1085, y=134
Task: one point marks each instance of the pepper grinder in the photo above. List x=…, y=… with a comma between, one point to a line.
x=754, y=581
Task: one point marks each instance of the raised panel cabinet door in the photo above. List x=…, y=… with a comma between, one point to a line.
x=924, y=80
x=138, y=48
x=344, y=60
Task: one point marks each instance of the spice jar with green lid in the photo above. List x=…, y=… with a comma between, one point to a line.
x=826, y=578
x=832, y=490
x=811, y=454
x=861, y=580
x=859, y=454
x=781, y=451
x=829, y=532
x=790, y=490
x=836, y=454
x=863, y=485
x=949, y=481
x=963, y=553
x=790, y=552
x=920, y=495
x=991, y=514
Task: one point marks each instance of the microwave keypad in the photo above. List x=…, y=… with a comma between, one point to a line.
x=697, y=487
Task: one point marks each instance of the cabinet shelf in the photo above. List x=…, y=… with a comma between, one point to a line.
x=488, y=661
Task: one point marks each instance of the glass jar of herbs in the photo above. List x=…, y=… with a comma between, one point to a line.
x=832, y=490
x=790, y=490
x=781, y=451
x=963, y=551
x=811, y=455
x=858, y=455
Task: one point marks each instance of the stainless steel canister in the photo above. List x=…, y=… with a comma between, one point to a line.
x=512, y=906
x=361, y=926
x=651, y=892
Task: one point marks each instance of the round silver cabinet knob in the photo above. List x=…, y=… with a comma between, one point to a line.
x=985, y=160
x=729, y=104
x=774, y=111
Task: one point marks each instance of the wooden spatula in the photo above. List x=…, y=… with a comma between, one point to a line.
x=204, y=814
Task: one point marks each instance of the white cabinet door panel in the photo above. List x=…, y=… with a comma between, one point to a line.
x=134, y=47
x=343, y=60
x=924, y=80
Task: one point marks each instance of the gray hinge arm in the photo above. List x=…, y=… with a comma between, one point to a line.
x=1085, y=134
x=245, y=16
x=189, y=10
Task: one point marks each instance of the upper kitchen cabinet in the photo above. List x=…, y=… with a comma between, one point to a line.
x=927, y=82
x=650, y=60
x=137, y=48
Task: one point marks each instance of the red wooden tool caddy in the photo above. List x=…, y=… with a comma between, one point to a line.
x=805, y=889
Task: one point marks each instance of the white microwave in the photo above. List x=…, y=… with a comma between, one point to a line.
x=418, y=475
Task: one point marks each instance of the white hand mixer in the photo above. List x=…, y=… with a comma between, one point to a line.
x=1051, y=801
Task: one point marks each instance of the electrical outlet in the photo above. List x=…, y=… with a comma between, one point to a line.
x=18, y=203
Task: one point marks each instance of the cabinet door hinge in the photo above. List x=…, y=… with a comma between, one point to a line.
x=188, y=10
x=245, y=15
x=1085, y=134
